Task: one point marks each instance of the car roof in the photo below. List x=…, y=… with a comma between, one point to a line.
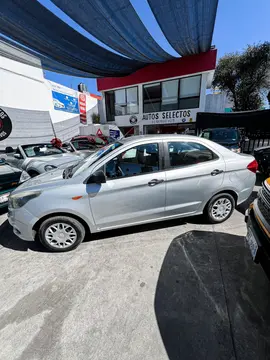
x=220, y=128
x=158, y=137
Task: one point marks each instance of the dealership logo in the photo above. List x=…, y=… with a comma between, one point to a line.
x=133, y=119
x=5, y=125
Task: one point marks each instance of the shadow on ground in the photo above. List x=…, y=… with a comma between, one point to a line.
x=11, y=241
x=212, y=301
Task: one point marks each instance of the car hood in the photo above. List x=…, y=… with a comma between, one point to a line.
x=6, y=169
x=42, y=182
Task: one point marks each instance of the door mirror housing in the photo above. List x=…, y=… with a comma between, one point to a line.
x=18, y=156
x=98, y=177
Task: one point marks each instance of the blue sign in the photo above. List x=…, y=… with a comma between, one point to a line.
x=64, y=102
x=114, y=134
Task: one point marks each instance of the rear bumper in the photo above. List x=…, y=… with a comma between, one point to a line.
x=22, y=222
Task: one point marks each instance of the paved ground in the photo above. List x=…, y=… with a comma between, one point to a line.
x=176, y=290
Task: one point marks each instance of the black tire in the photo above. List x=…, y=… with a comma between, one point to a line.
x=73, y=223
x=209, y=206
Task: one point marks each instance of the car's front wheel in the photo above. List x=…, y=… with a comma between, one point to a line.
x=61, y=233
x=220, y=208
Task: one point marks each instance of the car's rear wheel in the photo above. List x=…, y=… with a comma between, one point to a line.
x=61, y=233
x=220, y=208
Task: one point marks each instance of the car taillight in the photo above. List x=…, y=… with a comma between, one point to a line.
x=253, y=166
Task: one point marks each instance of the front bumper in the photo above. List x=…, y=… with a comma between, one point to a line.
x=22, y=222
x=256, y=222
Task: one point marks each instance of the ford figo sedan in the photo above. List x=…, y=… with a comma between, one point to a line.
x=134, y=181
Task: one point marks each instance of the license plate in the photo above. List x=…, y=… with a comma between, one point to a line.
x=4, y=198
x=252, y=243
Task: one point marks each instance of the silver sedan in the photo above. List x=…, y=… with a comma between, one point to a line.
x=136, y=180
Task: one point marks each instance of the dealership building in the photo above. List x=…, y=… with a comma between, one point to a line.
x=160, y=98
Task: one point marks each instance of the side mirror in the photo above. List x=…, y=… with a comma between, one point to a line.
x=18, y=156
x=97, y=178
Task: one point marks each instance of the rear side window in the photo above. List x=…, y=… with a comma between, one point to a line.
x=188, y=153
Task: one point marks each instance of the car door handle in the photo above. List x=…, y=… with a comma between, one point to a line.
x=155, y=182
x=216, y=172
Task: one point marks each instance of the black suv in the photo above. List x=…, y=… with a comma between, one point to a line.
x=228, y=137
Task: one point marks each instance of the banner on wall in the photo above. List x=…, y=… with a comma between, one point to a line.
x=82, y=103
x=65, y=102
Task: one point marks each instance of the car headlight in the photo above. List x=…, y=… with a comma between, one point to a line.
x=49, y=167
x=236, y=150
x=24, y=177
x=16, y=201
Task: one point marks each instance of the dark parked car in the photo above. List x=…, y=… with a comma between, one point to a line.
x=262, y=155
x=10, y=178
x=228, y=137
x=258, y=226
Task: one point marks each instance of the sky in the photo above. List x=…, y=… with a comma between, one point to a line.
x=238, y=23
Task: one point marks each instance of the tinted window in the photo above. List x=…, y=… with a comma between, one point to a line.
x=135, y=161
x=222, y=135
x=82, y=145
x=188, y=153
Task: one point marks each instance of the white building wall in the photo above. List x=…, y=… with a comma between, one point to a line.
x=26, y=97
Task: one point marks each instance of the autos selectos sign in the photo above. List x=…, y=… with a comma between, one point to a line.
x=169, y=117
x=5, y=125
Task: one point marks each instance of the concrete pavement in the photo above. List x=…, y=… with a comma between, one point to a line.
x=174, y=290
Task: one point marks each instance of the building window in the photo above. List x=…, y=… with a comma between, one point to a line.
x=169, y=95
x=126, y=101
x=172, y=95
x=189, y=93
x=109, y=103
x=120, y=102
x=151, y=98
x=132, y=100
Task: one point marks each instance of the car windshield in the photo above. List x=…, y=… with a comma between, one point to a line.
x=82, y=144
x=37, y=150
x=79, y=168
x=221, y=135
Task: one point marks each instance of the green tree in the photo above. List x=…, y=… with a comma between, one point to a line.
x=95, y=118
x=245, y=77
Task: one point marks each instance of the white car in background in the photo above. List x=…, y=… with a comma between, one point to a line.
x=58, y=104
x=39, y=158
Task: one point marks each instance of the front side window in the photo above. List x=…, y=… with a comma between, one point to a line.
x=189, y=94
x=151, y=98
x=183, y=153
x=138, y=160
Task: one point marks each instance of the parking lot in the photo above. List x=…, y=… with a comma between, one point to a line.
x=173, y=290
